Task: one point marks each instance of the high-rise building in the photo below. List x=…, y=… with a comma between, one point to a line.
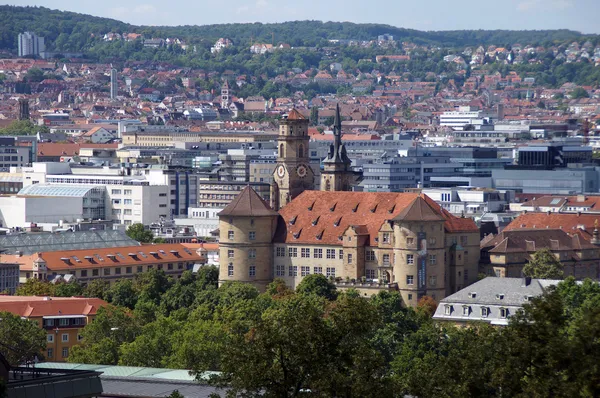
x=23, y=109
x=30, y=44
x=114, y=84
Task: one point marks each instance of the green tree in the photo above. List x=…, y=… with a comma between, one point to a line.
x=111, y=328
x=98, y=288
x=35, y=287
x=23, y=127
x=579, y=92
x=123, y=294
x=317, y=284
x=139, y=233
x=20, y=339
x=544, y=265
x=152, y=348
x=67, y=289
x=314, y=116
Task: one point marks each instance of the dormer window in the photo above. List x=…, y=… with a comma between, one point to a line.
x=500, y=296
x=392, y=209
x=332, y=208
x=448, y=309
x=472, y=295
x=293, y=220
x=311, y=206
x=315, y=221
x=466, y=310
x=355, y=209
x=504, y=313
x=386, y=238
x=337, y=223
x=374, y=209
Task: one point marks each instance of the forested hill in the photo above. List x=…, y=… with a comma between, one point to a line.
x=69, y=31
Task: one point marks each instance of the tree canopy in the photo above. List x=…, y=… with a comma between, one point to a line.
x=140, y=233
x=20, y=339
x=544, y=265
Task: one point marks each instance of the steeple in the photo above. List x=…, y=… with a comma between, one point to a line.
x=337, y=174
x=337, y=151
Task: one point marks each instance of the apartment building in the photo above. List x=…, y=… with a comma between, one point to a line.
x=143, y=136
x=110, y=264
x=62, y=318
x=369, y=241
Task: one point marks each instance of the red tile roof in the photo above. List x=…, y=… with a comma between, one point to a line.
x=248, y=203
x=60, y=149
x=295, y=115
x=37, y=306
x=319, y=217
x=571, y=223
x=66, y=260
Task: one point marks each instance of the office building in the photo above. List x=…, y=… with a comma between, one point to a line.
x=9, y=277
x=30, y=44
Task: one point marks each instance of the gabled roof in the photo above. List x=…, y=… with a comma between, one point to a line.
x=419, y=210
x=37, y=306
x=582, y=224
x=295, y=115
x=248, y=203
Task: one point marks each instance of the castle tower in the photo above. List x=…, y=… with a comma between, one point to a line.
x=246, y=228
x=225, y=95
x=293, y=173
x=337, y=174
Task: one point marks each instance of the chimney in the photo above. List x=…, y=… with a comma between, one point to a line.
x=526, y=281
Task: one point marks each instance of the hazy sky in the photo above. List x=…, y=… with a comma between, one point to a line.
x=581, y=15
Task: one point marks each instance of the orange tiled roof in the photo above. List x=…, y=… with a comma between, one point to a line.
x=37, y=306
x=60, y=149
x=319, y=217
x=582, y=224
x=63, y=261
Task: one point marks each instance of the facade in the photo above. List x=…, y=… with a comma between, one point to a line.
x=110, y=264
x=373, y=241
x=167, y=136
x=505, y=254
x=564, y=181
x=63, y=318
x=470, y=201
x=30, y=44
x=218, y=194
x=491, y=300
x=293, y=173
x=9, y=277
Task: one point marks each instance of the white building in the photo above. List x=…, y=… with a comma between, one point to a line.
x=130, y=198
x=30, y=44
x=458, y=119
x=48, y=205
x=204, y=220
x=9, y=277
x=470, y=201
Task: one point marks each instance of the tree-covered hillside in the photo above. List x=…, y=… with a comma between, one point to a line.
x=68, y=31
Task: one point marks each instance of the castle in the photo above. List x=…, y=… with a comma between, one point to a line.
x=370, y=241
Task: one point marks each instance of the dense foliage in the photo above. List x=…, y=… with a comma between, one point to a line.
x=321, y=342
x=68, y=31
x=20, y=339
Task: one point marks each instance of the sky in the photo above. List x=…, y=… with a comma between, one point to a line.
x=580, y=15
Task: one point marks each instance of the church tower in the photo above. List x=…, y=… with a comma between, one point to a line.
x=293, y=173
x=337, y=174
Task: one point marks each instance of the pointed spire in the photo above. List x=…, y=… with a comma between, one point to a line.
x=337, y=122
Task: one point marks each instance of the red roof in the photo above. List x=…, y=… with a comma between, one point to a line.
x=582, y=224
x=61, y=149
x=320, y=217
x=37, y=306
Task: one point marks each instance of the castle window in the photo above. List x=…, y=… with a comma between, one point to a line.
x=349, y=258
x=370, y=274
x=410, y=259
x=432, y=259
x=230, y=269
x=252, y=271
x=318, y=270
x=433, y=281
x=292, y=252
x=341, y=257
x=485, y=311
x=386, y=260
x=330, y=272
x=252, y=253
x=503, y=312
x=448, y=309
x=370, y=255
x=410, y=241
x=318, y=253
x=466, y=310
x=230, y=253
x=280, y=252
x=230, y=235
x=281, y=154
x=330, y=254
x=280, y=270
x=386, y=238
x=251, y=235
x=300, y=151
x=293, y=270
x=305, y=252
x=410, y=279
x=304, y=271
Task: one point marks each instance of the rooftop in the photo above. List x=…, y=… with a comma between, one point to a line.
x=57, y=190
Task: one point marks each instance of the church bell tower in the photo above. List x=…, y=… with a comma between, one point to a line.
x=293, y=173
x=337, y=174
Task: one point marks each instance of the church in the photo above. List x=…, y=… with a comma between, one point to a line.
x=369, y=241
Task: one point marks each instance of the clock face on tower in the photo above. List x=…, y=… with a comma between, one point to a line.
x=280, y=171
x=301, y=171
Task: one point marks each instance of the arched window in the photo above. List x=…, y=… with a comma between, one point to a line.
x=328, y=185
x=281, y=154
x=301, y=151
